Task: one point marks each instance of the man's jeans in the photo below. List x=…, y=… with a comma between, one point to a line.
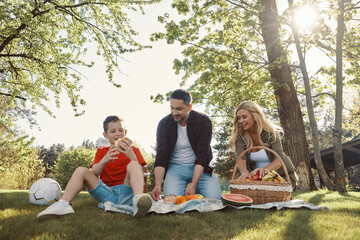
x=179, y=176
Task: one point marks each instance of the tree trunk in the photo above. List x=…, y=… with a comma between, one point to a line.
x=340, y=180
x=313, y=124
x=295, y=144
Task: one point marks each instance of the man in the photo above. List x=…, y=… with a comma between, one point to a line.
x=183, y=151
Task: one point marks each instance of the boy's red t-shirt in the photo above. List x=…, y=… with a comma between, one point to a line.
x=114, y=172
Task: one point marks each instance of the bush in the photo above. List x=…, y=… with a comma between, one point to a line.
x=22, y=175
x=150, y=162
x=69, y=160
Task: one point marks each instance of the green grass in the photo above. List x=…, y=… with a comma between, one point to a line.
x=18, y=221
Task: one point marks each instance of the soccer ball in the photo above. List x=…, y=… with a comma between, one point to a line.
x=44, y=191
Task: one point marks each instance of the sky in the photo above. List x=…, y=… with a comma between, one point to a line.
x=143, y=74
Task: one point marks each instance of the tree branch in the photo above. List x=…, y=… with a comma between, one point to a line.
x=220, y=53
x=9, y=95
x=329, y=94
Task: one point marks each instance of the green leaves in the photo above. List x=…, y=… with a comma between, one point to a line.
x=224, y=53
x=43, y=43
x=69, y=160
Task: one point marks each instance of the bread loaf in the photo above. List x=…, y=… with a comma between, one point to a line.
x=117, y=142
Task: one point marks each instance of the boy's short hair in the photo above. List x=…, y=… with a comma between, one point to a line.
x=110, y=119
x=182, y=94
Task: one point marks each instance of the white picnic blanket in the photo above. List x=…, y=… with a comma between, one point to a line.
x=207, y=205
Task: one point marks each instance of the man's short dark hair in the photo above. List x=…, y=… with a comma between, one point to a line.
x=110, y=119
x=182, y=94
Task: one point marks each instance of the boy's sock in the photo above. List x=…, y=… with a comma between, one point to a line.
x=64, y=202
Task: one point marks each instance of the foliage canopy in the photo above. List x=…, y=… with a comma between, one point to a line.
x=43, y=43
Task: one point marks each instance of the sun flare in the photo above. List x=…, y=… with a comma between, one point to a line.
x=305, y=18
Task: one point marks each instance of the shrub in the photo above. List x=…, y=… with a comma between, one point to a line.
x=69, y=160
x=22, y=174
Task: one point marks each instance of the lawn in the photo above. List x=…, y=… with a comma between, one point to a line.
x=18, y=221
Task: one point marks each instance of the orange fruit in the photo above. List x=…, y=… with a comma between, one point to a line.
x=180, y=200
x=191, y=197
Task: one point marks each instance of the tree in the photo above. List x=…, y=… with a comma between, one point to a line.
x=237, y=53
x=88, y=144
x=43, y=43
x=334, y=43
x=287, y=101
x=340, y=182
x=225, y=159
x=313, y=124
x=50, y=156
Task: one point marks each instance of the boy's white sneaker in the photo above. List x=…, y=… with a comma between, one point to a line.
x=56, y=209
x=142, y=203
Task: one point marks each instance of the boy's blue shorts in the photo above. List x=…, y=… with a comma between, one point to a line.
x=119, y=194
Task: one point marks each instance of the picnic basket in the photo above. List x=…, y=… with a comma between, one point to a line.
x=262, y=191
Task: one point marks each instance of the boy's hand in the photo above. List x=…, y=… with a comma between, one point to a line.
x=111, y=154
x=125, y=147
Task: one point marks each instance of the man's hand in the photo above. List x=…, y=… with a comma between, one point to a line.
x=190, y=190
x=155, y=194
x=198, y=171
x=159, y=173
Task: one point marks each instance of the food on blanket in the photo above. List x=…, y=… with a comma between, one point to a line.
x=190, y=197
x=180, y=200
x=249, y=179
x=117, y=142
x=170, y=198
x=236, y=200
x=273, y=176
x=200, y=196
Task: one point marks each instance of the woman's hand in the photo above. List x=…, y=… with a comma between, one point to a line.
x=244, y=176
x=262, y=172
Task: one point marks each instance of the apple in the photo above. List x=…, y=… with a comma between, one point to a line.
x=256, y=176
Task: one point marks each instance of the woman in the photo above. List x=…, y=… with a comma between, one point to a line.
x=251, y=129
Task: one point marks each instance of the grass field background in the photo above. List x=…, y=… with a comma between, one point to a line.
x=18, y=221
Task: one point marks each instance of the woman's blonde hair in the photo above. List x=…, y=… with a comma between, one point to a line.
x=260, y=123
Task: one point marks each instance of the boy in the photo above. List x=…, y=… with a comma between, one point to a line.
x=121, y=176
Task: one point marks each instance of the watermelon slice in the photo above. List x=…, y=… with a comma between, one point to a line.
x=237, y=200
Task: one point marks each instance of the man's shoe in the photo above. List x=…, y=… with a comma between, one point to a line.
x=142, y=203
x=56, y=209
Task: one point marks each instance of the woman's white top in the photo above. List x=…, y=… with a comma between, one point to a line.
x=260, y=158
x=183, y=153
